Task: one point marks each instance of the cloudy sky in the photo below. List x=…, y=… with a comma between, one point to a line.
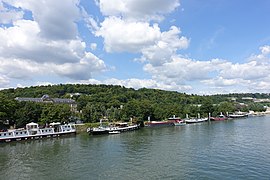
x=191, y=46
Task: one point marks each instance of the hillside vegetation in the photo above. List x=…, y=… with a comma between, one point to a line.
x=114, y=102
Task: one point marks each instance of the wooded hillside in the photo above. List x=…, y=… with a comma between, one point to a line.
x=114, y=102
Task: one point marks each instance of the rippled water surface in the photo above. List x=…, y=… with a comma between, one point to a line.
x=234, y=149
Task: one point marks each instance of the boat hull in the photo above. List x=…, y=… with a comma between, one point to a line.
x=179, y=124
x=159, y=124
x=218, y=119
x=35, y=137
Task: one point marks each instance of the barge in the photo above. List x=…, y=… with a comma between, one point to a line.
x=32, y=131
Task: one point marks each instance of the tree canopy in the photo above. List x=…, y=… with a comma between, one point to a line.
x=116, y=103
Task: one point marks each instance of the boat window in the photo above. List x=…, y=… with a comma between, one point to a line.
x=0, y=134
x=16, y=132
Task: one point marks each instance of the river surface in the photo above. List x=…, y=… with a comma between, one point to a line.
x=233, y=149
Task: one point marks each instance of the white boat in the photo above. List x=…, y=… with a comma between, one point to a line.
x=238, y=115
x=118, y=127
x=32, y=131
x=195, y=120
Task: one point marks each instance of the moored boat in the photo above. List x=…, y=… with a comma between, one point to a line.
x=172, y=121
x=32, y=131
x=195, y=120
x=177, y=121
x=158, y=123
x=238, y=115
x=113, y=129
x=219, y=118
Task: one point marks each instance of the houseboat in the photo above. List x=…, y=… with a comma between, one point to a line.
x=32, y=131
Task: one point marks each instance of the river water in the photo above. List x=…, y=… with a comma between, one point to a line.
x=233, y=149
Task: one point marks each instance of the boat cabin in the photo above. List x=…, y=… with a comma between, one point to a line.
x=32, y=128
x=121, y=124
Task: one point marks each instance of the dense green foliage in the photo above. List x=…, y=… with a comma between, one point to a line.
x=114, y=102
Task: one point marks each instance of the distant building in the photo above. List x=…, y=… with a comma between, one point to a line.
x=247, y=98
x=74, y=94
x=261, y=100
x=232, y=99
x=47, y=99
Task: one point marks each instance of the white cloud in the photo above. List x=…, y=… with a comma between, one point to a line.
x=120, y=35
x=165, y=47
x=9, y=16
x=140, y=37
x=4, y=81
x=19, y=69
x=262, y=58
x=265, y=50
x=22, y=41
x=127, y=28
x=247, y=71
x=221, y=82
x=25, y=69
x=55, y=18
x=84, y=69
x=46, y=45
x=138, y=9
x=215, y=74
x=252, y=76
x=180, y=70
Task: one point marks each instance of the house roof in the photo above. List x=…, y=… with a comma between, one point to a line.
x=46, y=98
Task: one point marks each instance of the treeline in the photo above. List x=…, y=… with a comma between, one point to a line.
x=114, y=102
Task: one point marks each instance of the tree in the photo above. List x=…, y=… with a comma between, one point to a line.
x=27, y=112
x=207, y=106
x=55, y=113
x=225, y=107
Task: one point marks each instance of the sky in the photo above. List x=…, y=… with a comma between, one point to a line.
x=189, y=46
